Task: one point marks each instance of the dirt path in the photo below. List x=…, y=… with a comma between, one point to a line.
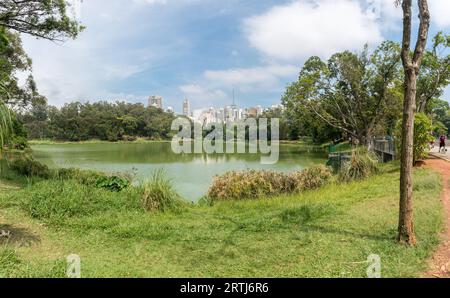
x=440, y=262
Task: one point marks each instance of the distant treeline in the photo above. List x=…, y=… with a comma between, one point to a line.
x=100, y=120
x=108, y=121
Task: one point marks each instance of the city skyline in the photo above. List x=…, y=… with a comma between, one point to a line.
x=228, y=112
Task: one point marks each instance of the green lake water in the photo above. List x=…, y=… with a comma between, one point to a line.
x=191, y=173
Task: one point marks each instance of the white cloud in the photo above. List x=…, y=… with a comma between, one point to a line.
x=201, y=95
x=105, y=54
x=208, y=89
x=264, y=76
x=440, y=12
x=304, y=28
x=150, y=1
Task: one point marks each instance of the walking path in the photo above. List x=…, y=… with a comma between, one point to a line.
x=440, y=262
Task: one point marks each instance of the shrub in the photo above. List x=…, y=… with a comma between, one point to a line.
x=158, y=194
x=422, y=135
x=361, y=165
x=113, y=183
x=255, y=184
x=311, y=178
x=92, y=178
x=27, y=166
x=19, y=143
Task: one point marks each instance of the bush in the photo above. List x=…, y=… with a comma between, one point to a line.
x=158, y=194
x=422, y=136
x=256, y=184
x=19, y=143
x=113, y=183
x=361, y=165
x=311, y=178
x=27, y=166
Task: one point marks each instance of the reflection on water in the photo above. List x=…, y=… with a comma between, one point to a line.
x=191, y=173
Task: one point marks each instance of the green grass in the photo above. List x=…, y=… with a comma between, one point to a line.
x=323, y=233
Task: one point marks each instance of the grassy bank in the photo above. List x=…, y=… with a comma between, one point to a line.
x=321, y=233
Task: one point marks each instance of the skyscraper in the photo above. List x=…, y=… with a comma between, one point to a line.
x=186, y=108
x=155, y=101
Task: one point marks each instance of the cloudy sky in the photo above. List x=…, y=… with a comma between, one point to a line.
x=203, y=49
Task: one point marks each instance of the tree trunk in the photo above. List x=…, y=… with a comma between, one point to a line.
x=411, y=67
x=405, y=222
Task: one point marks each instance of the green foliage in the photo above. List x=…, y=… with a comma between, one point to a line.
x=422, y=135
x=86, y=177
x=158, y=194
x=352, y=94
x=5, y=125
x=47, y=19
x=253, y=184
x=434, y=75
x=113, y=183
x=361, y=165
x=56, y=200
x=26, y=166
x=100, y=120
x=14, y=61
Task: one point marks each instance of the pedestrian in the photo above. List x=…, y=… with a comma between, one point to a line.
x=442, y=144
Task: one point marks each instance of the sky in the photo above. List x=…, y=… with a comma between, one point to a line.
x=204, y=49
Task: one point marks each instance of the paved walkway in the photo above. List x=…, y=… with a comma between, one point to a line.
x=442, y=154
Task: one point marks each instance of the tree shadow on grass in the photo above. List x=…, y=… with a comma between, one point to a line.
x=12, y=235
x=353, y=234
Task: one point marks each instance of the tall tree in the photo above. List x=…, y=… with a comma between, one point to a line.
x=411, y=66
x=352, y=93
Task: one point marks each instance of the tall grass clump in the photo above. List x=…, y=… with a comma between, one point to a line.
x=253, y=184
x=158, y=193
x=361, y=165
x=56, y=200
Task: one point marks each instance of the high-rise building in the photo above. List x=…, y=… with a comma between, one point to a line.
x=186, y=108
x=155, y=101
x=252, y=112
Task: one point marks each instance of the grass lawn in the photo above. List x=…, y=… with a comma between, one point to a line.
x=325, y=233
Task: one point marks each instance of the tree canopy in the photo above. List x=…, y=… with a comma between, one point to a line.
x=48, y=19
x=100, y=120
x=353, y=93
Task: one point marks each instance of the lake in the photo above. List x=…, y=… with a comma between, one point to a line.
x=191, y=173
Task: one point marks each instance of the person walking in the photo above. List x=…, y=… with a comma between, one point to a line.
x=442, y=144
